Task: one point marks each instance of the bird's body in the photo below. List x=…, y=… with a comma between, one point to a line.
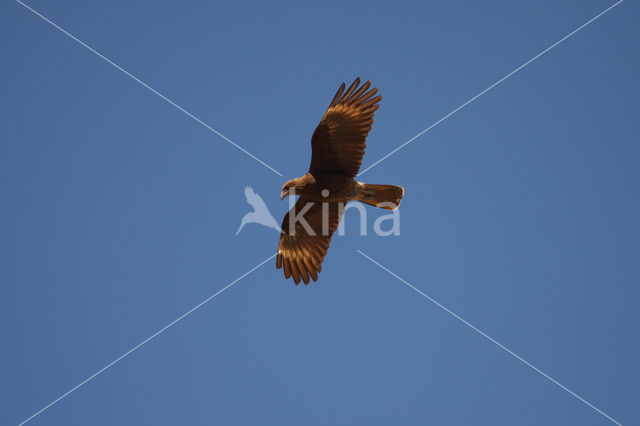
x=338, y=145
x=340, y=188
x=337, y=186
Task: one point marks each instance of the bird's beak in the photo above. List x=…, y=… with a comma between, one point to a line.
x=284, y=193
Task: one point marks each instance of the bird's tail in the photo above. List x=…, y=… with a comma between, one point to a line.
x=383, y=196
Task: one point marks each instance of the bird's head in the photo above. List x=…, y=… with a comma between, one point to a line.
x=289, y=188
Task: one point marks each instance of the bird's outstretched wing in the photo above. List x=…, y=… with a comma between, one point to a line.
x=301, y=252
x=339, y=141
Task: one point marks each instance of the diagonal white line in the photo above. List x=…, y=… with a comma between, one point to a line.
x=136, y=347
x=491, y=339
x=150, y=88
x=492, y=86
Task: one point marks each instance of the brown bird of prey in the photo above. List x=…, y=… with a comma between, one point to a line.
x=337, y=148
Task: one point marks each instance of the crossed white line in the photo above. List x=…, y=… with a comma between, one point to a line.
x=491, y=339
x=147, y=340
x=136, y=347
x=490, y=87
x=127, y=73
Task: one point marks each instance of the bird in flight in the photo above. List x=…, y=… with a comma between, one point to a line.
x=337, y=148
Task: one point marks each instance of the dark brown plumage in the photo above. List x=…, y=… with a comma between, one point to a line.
x=338, y=145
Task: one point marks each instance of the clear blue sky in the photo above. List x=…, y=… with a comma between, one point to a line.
x=118, y=213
